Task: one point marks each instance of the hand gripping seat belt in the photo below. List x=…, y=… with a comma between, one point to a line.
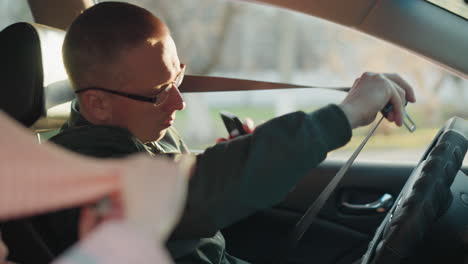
x=311, y=213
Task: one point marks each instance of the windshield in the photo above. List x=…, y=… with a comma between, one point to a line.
x=456, y=7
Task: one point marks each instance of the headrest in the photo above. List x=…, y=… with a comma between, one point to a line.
x=32, y=75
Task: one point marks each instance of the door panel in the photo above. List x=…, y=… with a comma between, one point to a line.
x=338, y=235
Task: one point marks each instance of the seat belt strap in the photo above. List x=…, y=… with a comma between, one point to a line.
x=197, y=84
x=309, y=216
x=311, y=213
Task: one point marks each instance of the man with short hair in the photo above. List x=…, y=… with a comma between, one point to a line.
x=125, y=71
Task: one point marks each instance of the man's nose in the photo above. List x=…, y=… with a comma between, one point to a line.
x=174, y=101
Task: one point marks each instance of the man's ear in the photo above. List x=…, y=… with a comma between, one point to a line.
x=96, y=107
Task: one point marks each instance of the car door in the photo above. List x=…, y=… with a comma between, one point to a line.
x=339, y=234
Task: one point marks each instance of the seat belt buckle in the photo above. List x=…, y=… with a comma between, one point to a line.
x=407, y=121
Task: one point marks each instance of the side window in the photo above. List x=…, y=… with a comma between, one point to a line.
x=245, y=40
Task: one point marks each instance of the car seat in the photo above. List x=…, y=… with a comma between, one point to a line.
x=33, y=77
x=34, y=89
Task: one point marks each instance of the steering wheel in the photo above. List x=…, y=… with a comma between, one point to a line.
x=425, y=197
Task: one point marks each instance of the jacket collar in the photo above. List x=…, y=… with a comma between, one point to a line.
x=76, y=119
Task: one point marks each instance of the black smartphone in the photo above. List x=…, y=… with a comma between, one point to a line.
x=233, y=124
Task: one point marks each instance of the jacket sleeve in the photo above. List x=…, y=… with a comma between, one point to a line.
x=233, y=179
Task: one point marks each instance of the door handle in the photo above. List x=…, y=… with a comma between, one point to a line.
x=381, y=205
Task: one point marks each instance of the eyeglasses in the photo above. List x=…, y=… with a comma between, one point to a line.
x=157, y=99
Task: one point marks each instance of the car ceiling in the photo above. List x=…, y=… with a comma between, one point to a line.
x=415, y=25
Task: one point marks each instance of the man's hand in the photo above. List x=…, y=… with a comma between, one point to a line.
x=371, y=92
x=154, y=192
x=3, y=252
x=152, y=197
x=248, y=125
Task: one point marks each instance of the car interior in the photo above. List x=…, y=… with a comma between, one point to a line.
x=427, y=218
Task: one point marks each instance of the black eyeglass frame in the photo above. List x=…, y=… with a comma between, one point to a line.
x=142, y=98
x=128, y=95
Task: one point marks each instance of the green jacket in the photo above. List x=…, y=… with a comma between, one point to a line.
x=233, y=179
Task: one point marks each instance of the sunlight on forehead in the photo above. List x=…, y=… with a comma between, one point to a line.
x=170, y=58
